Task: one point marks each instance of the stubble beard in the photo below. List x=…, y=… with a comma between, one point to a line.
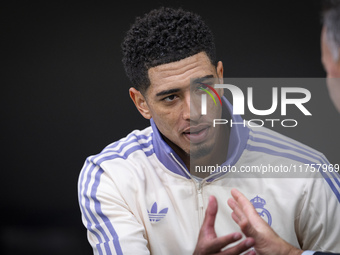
x=201, y=151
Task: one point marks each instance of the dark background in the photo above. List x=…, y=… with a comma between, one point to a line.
x=65, y=96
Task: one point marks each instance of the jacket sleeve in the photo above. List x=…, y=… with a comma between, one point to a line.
x=111, y=226
x=325, y=253
x=319, y=220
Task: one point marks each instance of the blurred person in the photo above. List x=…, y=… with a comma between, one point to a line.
x=330, y=45
x=244, y=214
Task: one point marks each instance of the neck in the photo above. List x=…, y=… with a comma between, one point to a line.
x=216, y=156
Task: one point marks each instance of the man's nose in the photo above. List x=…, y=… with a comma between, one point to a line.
x=191, y=109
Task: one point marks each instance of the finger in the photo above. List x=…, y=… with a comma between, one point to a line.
x=207, y=233
x=234, y=206
x=244, y=225
x=247, y=211
x=243, y=210
x=236, y=194
x=235, y=218
x=243, y=202
x=210, y=215
x=232, y=203
x=251, y=252
x=241, y=247
x=220, y=242
x=237, y=214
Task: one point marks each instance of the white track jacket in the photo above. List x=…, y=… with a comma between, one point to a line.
x=137, y=197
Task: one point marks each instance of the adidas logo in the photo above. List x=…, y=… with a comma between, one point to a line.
x=155, y=216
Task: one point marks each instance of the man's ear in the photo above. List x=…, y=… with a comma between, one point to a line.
x=140, y=102
x=219, y=70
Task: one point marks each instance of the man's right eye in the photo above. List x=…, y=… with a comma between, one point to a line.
x=169, y=98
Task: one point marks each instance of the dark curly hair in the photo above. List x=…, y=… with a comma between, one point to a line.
x=163, y=36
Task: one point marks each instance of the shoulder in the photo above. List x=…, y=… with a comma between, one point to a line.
x=267, y=141
x=137, y=142
x=117, y=162
x=293, y=159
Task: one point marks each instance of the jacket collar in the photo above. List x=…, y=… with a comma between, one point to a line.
x=237, y=143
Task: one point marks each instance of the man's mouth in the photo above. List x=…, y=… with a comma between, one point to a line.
x=197, y=134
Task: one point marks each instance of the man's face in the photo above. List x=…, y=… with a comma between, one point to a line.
x=332, y=69
x=174, y=104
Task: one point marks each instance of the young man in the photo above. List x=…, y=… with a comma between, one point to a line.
x=141, y=195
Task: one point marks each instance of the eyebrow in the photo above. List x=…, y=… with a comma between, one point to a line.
x=167, y=92
x=196, y=80
x=202, y=79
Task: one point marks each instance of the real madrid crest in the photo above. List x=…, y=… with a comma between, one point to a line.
x=259, y=204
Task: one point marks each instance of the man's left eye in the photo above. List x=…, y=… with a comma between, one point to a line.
x=203, y=86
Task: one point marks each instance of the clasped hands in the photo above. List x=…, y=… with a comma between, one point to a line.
x=259, y=234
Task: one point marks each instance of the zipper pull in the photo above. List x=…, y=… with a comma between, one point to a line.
x=200, y=199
